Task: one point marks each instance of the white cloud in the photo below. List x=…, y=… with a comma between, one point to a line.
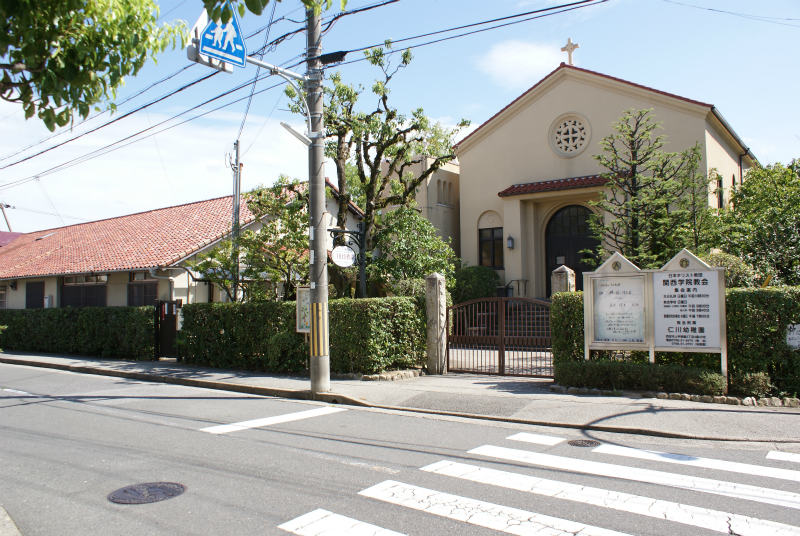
x=519, y=64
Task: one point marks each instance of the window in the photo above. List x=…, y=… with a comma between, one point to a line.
x=142, y=289
x=34, y=294
x=84, y=290
x=3, y=295
x=720, y=193
x=490, y=247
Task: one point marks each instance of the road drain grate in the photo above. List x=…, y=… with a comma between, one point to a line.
x=148, y=492
x=584, y=443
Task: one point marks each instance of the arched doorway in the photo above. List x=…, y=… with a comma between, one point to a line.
x=568, y=233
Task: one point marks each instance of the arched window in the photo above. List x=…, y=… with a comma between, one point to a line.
x=490, y=240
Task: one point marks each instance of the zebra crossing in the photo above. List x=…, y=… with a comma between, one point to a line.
x=661, y=514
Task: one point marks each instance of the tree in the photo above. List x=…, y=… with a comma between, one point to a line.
x=763, y=224
x=280, y=247
x=219, y=10
x=275, y=253
x=654, y=201
x=385, y=153
x=409, y=248
x=59, y=57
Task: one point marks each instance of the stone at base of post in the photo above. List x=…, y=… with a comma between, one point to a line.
x=436, y=313
x=562, y=279
x=320, y=374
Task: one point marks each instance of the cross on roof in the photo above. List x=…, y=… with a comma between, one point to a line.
x=569, y=48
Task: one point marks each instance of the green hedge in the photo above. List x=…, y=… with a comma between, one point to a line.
x=366, y=336
x=756, y=326
x=121, y=332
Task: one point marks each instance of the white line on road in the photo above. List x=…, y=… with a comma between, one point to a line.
x=706, y=463
x=14, y=391
x=692, y=483
x=783, y=456
x=537, y=439
x=480, y=513
x=268, y=421
x=324, y=523
x=635, y=504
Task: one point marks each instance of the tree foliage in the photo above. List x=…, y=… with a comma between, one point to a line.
x=381, y=155
x=763, y=224
x=277, y=252
x=220, y=10
x=655, y=202
x=59, y=57
x=410, y=248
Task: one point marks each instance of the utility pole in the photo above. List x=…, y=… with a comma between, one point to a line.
x=320, y=354
x=236, y=166
x=3, y=207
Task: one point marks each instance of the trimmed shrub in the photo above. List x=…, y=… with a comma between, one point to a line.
x=117, y=332
x=473, y=282
x=737, y=272
x=755, y=384
x=616, y=375
x=366, y=336
x=757, y=320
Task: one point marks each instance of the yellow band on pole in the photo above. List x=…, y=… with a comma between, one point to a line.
x=319, y=330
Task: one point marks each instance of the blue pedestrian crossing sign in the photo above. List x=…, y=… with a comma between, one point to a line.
x=224, y=41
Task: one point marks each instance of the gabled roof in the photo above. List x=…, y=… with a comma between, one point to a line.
x=565, y=69
x=571, y=183
x=156, y=238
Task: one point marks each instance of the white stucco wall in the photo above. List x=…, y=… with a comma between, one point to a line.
x=515, y=148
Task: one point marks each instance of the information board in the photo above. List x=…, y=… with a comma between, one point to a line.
x=303, y=311
x=686, y=309
x=618, y=312
x=793, y=336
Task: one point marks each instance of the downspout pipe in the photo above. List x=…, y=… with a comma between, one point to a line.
x=153, y=274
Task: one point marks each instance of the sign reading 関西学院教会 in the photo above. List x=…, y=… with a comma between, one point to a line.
x=686, y=306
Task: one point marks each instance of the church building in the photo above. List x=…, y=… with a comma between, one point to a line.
x=528, y=173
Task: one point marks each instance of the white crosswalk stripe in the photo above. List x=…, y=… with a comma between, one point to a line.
x=705, y=485
x=783, y=456
x=324, y=523
x=269, y=421
x=724, y=522
x=537, y=439
x=689, y=511
x=480, y=513
x=706, y=463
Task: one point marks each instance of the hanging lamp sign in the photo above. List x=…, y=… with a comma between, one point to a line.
x=343, y=256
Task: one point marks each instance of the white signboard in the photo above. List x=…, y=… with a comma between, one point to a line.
x=686, y=309
x=343, y=256
x=303, y=311
x=618, y=309
x=793, y=336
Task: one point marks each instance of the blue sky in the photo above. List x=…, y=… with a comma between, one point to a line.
x=738, y=55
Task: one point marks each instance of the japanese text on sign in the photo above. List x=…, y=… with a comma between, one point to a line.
x=618, y=309
x=686, y=309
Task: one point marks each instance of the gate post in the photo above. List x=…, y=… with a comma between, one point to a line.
x=436, y=314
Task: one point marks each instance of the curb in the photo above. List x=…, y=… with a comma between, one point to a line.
x=7, y=526
x=335, y=398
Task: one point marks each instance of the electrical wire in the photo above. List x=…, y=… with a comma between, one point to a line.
x=783, y=21
x=258, y=71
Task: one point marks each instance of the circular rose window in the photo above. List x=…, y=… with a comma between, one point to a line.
x=569, y=135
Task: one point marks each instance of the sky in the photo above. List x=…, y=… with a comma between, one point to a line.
x=739, y=55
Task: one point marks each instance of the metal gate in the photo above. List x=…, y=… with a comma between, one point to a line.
x=509, y=336
x=166, y=326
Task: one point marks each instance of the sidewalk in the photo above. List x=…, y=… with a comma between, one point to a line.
x=500, y=398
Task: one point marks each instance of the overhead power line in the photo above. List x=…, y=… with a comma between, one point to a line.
x=783, y=21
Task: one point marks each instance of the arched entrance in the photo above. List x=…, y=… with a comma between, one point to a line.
x=568, y=233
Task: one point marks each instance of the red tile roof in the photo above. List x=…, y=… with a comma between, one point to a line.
x=565, y=67
x=554, y=185
x=6, y=237
x=155, y=238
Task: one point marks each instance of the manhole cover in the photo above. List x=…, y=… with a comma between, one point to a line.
x=584, y=443
x=148, y=492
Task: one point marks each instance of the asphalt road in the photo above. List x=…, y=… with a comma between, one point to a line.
x=68, y=440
